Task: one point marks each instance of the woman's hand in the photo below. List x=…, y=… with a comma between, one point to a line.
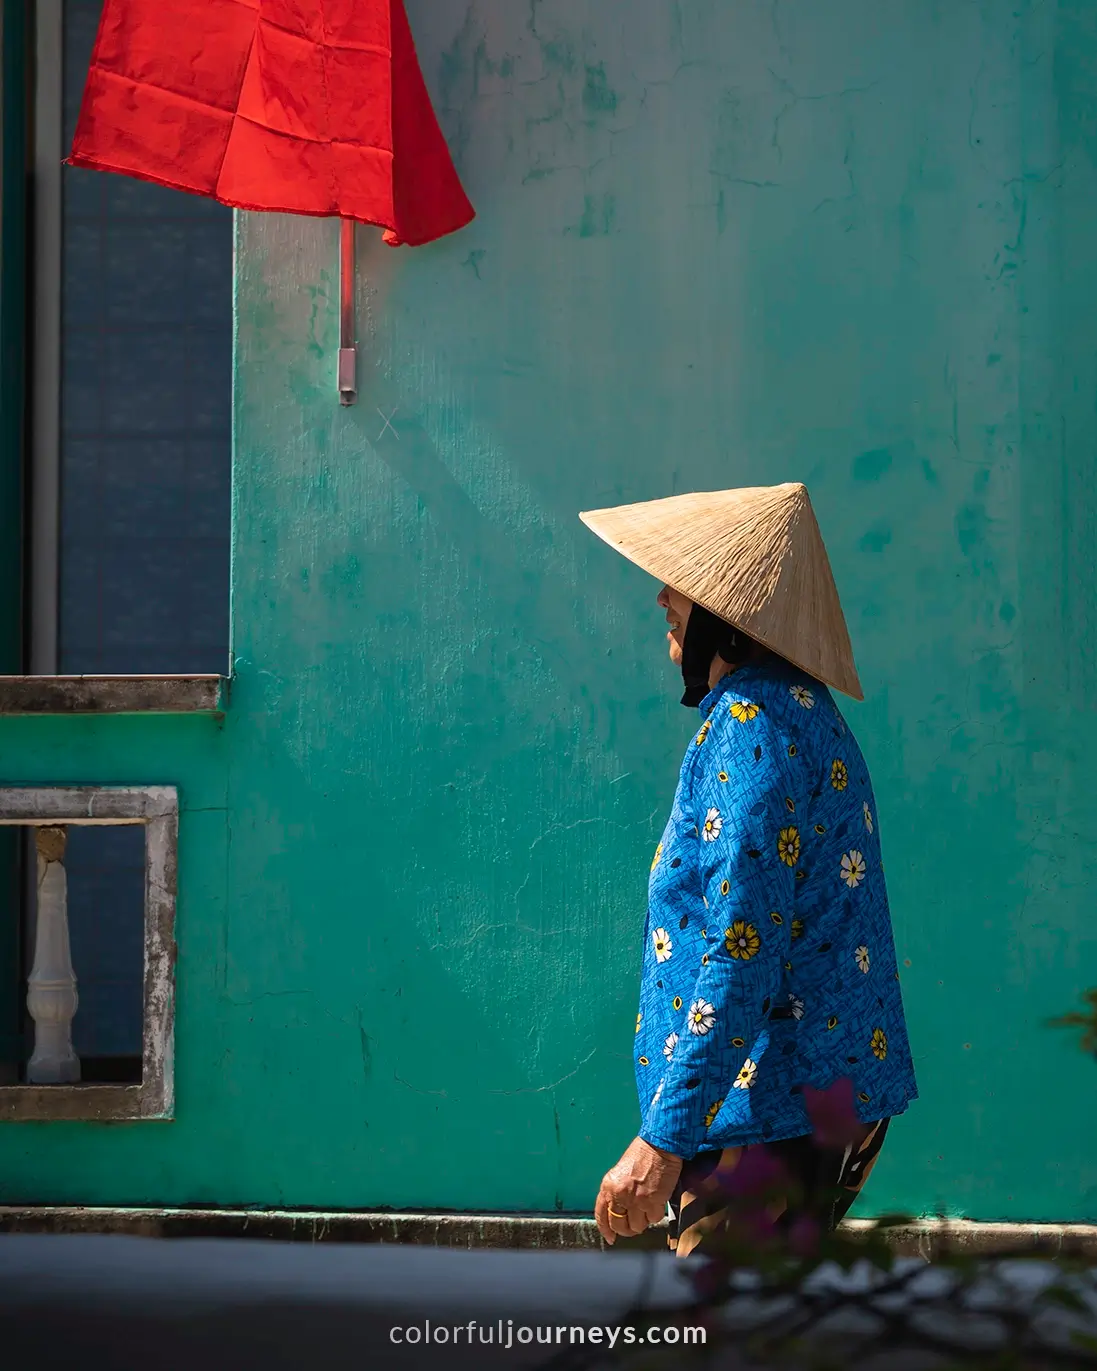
x=635, y=1192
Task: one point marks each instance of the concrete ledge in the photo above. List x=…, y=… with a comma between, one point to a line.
x=929, y=1237
x=435, y=1230
x=111, y=694
x=926, y=1238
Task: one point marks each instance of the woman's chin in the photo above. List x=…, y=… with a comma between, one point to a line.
x=675, y=653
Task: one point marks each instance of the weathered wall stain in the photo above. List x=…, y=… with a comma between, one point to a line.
x=827, y=244
x=597, y=217
x=872, y=465
x=598, y=98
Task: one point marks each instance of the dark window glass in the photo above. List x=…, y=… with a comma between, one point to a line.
x=146, y=370
x=145, y=413
x=105, y=867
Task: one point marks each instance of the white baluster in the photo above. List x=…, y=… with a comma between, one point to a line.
x=51, y=989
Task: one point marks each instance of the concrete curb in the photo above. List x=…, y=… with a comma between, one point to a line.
x=924, y=1238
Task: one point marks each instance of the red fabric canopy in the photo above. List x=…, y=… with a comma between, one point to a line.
x=305, y=106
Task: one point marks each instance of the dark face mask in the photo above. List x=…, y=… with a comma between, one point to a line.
x=705, y=636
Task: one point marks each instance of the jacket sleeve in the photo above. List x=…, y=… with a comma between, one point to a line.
x=747, y=848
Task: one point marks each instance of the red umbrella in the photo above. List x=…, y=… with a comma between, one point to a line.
x=304, y=106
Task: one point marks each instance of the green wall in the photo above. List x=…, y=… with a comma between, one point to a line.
x=719, y=243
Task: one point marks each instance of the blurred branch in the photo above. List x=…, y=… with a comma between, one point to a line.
x=771, y=1298
x=1086, y=1021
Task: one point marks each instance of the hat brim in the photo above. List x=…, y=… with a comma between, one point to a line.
x=643, y=551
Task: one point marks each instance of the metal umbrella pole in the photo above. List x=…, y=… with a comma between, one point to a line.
x=348, y=343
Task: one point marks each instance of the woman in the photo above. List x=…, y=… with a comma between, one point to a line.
x=771, y=1040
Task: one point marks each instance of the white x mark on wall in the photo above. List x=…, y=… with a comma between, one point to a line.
x=388, y=424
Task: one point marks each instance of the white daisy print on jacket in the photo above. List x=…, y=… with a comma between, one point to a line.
x=669, y=1046
x=701, y=1017
x=862, y=958
x=658, y=1092
x=713, y=824
x=796, y=1005
x=745, y=1078
x=663, y=945
x=802, y=696
x=868, y=816
x=853, y=869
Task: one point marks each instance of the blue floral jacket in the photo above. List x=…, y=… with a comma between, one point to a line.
x=768, y=962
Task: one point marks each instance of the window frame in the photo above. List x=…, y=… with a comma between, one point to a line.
x=157, y=809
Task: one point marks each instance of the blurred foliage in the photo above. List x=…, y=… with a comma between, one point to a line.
x=799, y=1297
x=1086, y=1021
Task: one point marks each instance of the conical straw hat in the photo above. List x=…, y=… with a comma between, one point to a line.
x=754, y=557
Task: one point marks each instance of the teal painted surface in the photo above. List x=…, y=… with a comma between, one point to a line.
x=46, y=1161
x=718, y=243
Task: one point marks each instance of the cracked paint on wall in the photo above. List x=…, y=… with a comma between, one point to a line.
x=718, y=242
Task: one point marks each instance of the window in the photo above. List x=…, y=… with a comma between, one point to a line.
x=54, y=1085
x=123, y=366
x=145, y=413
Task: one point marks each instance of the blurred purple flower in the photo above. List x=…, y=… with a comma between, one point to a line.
x=709, y=1279
x=756, y=1173
x=833, y=1117
x=754, y=1227
x=754, y=1183
x=803, y=1236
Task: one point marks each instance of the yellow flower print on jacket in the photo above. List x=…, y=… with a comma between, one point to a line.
x=658, y=856
x=788, y=846
x=742, y=940
x=769, y=887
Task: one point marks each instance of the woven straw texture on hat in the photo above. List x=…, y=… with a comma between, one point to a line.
x=754, y=557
